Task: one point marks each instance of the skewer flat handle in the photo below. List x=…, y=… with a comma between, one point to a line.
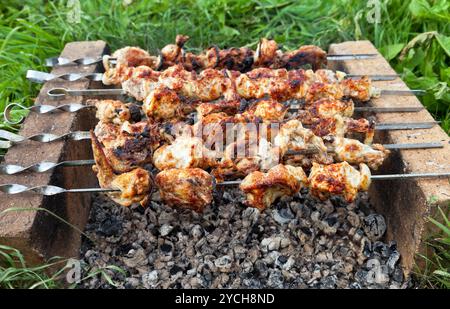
x=42, y=77
x=406, y=126
x=47, y=190
x=58, y=93
x=60, y=61
x=412, y=175
x=351, y=56
x=412, y=92
x=388, y=109
x=12, y=138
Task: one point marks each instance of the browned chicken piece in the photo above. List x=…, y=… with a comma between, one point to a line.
x=262, y=189
x=185, y=188
x=228, y=107
x=140, y=82
x=360, y=89
x=172, y=54
x=329, y=107
x=266, y=53
x=245, y=156
x=305, y=55
x=135, y=185
x=340, y=126
x=184, y=152
x=236, y=59
x=267, y=110
x=213, y=126
x=116, y=112
x=294, y=137
x=355, y=152
x=164, y=104
x=208, y=59
x=329, y=76
x=338, y=179
x=126, y=58
x=127, y=145
x=319, y=91
x=262, y=82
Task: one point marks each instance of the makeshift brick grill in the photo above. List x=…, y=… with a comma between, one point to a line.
x=49, y=157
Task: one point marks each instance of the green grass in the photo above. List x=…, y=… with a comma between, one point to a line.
x=413, y=35
x=436, y=272
x=16, y=274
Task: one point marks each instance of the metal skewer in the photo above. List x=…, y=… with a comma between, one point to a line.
x=12, y=138
x=61, y=61
x=41, y=167
x=74, y=107
x=59, y=93
x=53, y=190
x=41, y=77
x=372, y=177
x=48, y=190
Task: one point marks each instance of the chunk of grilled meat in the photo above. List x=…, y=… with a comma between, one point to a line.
x=340, y=126
x=185, y=188
x=125, y=58
x=184, y=152
x=305, y=55
x=163, y=104
x=355, y=152
x=128, y=145
x=135, y=185
x=140, y=81
x=266, y=53
x=338, y=179
x=326, y=108
x=245, y=156
x=262, y=189
x=172, y=54
x=228, y=107
x=278, y=84
x=294, y=137
x=116, y=112
x=267, y=110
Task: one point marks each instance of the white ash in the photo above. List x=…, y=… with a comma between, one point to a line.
x=299, y=243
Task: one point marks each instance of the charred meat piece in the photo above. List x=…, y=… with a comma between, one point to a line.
x=342, y=126
x=127, y=145
x=262, y=189
x=338, y=179
x=163, y=104
x=116, y=112
x=326, y=108
x=266, y=53
x=246, y=156
x=228, y=107
x=125, y=58
x=294, y=137
x=355, y=152
x=172, y=54
x=305, y=55
x=267, y=110
x=135, y=185
x=185, y=188
x=140, y=82
x=184, y=152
